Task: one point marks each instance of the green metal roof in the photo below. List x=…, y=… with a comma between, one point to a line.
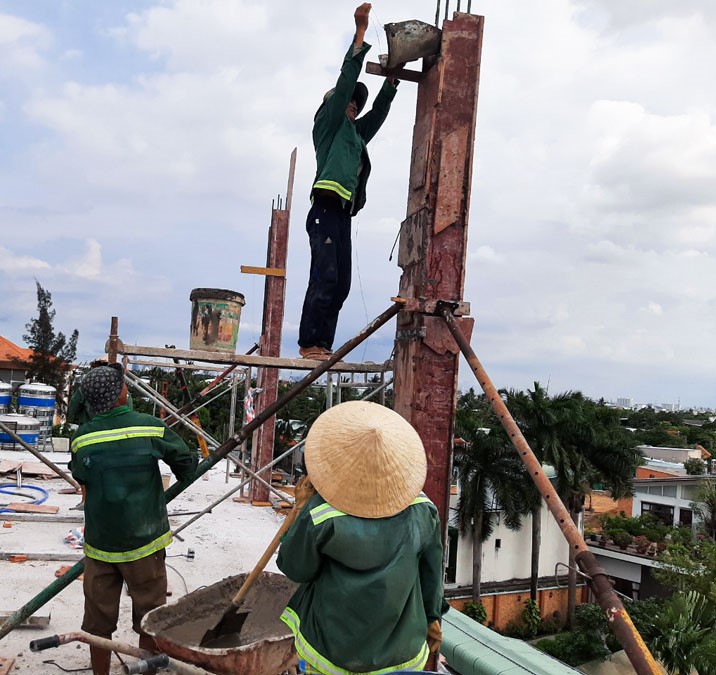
x=473, y=649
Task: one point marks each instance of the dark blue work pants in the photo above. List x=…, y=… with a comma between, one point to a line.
x=329, y=232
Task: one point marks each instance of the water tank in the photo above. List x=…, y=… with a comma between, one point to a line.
x=26, y=427
x=38, y=400
x=5, y=397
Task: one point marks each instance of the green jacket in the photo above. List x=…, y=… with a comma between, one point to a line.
x=116, y=456
x=343, y=165
x=369, y=587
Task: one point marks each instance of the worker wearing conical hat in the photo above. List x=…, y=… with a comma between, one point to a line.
x=365, y=547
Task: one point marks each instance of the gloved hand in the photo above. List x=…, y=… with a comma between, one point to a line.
x=435, y=636
x=303, y=492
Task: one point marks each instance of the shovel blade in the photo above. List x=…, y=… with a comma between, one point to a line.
x=230, y=623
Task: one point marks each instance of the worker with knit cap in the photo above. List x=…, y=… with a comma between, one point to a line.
x=115, y=457
x=340, y=138
x=365, y=547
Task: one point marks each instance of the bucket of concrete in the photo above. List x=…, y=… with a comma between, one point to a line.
x=264, y=646
x=410, y=41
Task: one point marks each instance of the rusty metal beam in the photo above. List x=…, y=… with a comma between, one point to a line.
x=619, y=620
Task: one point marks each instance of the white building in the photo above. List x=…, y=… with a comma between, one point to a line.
x=678, y=455
x=669, y=499
x=506, y=555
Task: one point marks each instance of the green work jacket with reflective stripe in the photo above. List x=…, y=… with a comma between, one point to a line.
x=343, y=165
x=116, y=455
x=369, y=587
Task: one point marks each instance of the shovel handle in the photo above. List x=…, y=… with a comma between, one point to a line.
x=249, y=581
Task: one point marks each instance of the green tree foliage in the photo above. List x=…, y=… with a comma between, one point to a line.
x=685, y=635
x=704, y=507
x=52, y=352
x=695, y=466
x=690, y=568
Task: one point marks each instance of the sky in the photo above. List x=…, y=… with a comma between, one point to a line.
x=142, y=144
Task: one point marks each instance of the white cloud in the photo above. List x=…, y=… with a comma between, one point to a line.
x=12, y=263
x=21, y=44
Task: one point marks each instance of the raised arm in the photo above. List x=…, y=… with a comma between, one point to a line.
x=333, y=110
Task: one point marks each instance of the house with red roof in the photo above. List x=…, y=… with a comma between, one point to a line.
x=13, y=362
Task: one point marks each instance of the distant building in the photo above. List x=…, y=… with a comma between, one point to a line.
x=13, y=362
x=676, y=455
x=624, y=403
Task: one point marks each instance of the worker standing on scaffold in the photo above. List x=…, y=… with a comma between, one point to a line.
x=338, y=191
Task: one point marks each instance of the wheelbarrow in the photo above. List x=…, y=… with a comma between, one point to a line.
x=147, y=660
x=264, y=646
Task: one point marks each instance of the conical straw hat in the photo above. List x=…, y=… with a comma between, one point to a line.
x=365, y=459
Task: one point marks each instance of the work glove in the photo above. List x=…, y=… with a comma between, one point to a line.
x=303, y=492
x=435, y=636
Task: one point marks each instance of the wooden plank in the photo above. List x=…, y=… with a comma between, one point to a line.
x=41, y=621
x=6, y=665
x=251, y=360
x=373, y=68
x=38, y=469
x=39, y=518
x=266, y=271
x=9, y=465
x=70, y=556
x=33, y=508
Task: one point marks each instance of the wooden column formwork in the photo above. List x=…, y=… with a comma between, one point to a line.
x=270, y=342
x=433, y=244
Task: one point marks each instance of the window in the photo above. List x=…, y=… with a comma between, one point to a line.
x=661, y=511
x=685, y=517
x=689, y=492
x=669, y=491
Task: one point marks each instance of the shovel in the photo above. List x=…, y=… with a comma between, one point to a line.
x=232, y=621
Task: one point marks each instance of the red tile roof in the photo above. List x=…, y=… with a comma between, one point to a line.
x=10, y=352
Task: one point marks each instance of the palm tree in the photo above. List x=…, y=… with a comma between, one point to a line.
x=684, y=636
x=545, y=421
x=491, y=480
x=581, y=440
x=598, y=449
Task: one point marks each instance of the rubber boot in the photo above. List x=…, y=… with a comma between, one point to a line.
x=100, y=659
x=147, y=642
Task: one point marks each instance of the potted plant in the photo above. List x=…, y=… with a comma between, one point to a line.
x=642, y=544
x=622, y=539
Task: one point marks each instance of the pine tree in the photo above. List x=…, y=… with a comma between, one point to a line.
x=53, y=353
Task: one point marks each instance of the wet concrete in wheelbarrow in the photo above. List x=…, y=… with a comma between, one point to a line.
x=264, y=641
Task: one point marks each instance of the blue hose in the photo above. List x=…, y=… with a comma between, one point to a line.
x=5, y=489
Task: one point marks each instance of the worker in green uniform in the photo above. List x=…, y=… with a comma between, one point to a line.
x=340, y=139
x=365, y=547
x=115, y=457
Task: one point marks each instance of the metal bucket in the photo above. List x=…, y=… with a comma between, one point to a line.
x=38, y=400
x=215, y=316
x=5, y=397
x=410, y=41
x=266, y=645
x=27, y=428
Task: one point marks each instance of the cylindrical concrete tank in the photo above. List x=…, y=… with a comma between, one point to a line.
x=38, y=400
x=5, y=397
x=26, y=427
